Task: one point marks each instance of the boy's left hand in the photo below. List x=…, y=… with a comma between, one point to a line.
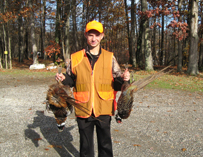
x=126, y=75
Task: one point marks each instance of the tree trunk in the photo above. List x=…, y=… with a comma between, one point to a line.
x=154, y=45
x=201, y=42
x=83, y=26
x=20, y=34
x=67, y=33
x=147, y=41
x=75, y=39
x=58, y=19
x=43, y=29
x=27, y=52
x=162, y=41
x=174, y=49
x=1, y=42
x=133, y=59
x=180, y=55
x=139, y=43
x=167, y=49
x=128, y=32
x=148, y=51
x=100, y=10
x=193, y=54
x=5, y=44
x=9, y=52
x=33, y=40
x=26, y=30
x=143, y=42
x=159, y=54
x=185, y=40
x=57, y=28
x=20, y=37
x=87, y=11
x=5, y=37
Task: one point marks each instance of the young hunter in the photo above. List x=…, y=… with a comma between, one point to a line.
x=95, y=75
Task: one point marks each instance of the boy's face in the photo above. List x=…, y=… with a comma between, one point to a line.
x=94, y=38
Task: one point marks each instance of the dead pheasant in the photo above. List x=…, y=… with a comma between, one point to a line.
x=125, y=101
x=61, y=102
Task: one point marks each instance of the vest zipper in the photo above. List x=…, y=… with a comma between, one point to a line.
x=92, y=89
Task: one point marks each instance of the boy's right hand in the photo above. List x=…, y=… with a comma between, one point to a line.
x=60, y=77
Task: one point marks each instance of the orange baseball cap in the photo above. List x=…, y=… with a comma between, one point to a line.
x=94, y=25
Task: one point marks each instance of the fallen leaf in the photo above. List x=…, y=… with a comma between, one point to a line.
x=37, y=139
x=152, y=121
x=51, y=146
x=116, y=130
x=137, y=145
x=183, y=149
x=116, y=141
x=46, y=149
x=30, y=109
x=169, y=111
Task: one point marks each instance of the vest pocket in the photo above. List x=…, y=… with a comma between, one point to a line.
x=106, y=95
x=81, y=97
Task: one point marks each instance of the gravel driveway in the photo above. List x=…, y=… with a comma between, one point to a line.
x=162, y=123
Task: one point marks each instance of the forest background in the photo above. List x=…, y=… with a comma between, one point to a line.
x=143, y=33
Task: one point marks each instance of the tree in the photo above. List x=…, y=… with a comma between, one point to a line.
x=133, y=59
x=43, y=30
x=143, y=42
x=128, y=33
x=67, y=24
x=33, y=40
x=147, y=42
x=180, y=56
x=58, y=27
x=67, y=27
x=201, y=38
x=76, y=44
x=161, y=58
x=20, y=34
x=5, y=35
x=193, y=53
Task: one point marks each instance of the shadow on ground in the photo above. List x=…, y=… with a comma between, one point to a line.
x=60, y=141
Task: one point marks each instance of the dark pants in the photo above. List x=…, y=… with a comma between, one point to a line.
x=86, y=130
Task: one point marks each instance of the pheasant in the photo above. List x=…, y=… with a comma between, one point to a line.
x=61, y=102
x=125, y=101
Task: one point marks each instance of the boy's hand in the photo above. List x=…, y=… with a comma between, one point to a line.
x=60, y=77
x=126, y=75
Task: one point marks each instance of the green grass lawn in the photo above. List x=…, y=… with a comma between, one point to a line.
x=168, y=81
x=171, y=81
x=27, y=72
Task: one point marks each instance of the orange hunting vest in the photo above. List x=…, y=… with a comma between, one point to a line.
x=94, y=87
